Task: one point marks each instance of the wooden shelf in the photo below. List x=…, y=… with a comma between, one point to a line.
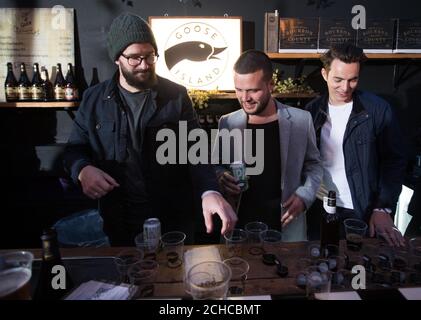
x=274, y=55
x=231, y=95
x=54, y=104
x=33, y=104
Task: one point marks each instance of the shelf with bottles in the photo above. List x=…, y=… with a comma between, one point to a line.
x=299, y=55
x=40, y=92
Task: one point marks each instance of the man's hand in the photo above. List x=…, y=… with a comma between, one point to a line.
x=293, y=206
x=382, y=224
x=95, y=182
x=228, y=184
x=214, y=203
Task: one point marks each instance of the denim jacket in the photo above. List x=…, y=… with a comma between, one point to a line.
x=373, y=150
x=100, y=135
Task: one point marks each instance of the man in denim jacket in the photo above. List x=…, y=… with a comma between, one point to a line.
x=112, y=150
x=360, y=146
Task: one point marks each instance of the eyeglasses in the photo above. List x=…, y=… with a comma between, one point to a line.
x=136, y=60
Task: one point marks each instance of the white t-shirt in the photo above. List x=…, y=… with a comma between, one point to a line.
x=331, y=150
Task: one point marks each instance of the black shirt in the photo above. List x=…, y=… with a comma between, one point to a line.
x=262, y=200
x=134, y=182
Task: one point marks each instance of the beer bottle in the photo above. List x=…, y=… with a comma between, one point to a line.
x=330, y=223
x=71, y=91
x=36, y=92
x=11, y=84
x=47, y=86
x=54, y=281
x=59, y=85
x=24, y=87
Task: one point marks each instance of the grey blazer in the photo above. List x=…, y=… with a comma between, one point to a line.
x=301, y=171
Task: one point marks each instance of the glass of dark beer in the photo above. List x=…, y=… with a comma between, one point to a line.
x=355, y=230
x=15, y=273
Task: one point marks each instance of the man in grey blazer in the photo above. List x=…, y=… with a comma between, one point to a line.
x=286, y=173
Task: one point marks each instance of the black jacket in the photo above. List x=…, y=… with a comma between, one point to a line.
x=373, y=150
x=100, y=137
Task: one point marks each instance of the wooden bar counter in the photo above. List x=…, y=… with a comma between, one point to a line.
x=261, y=279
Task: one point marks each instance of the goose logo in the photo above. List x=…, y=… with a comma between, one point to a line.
x=196, y=54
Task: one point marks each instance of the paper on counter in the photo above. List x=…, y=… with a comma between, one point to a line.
x=96, y=290
x=262, y=297
x=411, y=293
x=344, y=295
x=200, y=254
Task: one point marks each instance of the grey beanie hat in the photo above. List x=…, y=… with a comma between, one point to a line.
x=126, y=29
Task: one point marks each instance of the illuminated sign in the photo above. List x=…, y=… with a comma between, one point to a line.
x=198, y=52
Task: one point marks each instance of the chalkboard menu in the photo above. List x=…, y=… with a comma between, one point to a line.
x=409, y=36
x=335, y=31
x=29, y=35
x=298, y=34
x=377, y=37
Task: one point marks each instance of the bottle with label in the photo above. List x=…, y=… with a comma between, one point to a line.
x=330, y=223
x=11, y=85
x=24, y=86
x=54, y=281
x=47, y=86
x=71, y=91
x=36, y=92
x=59, y=85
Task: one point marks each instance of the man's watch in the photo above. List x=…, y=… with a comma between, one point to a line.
x=385, y=210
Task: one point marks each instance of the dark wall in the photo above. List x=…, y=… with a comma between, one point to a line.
x=31, y=140
x=94, y=17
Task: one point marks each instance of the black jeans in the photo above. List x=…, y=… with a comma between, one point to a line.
x=314, y=216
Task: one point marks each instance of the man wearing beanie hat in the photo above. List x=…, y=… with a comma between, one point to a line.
x=111, y=152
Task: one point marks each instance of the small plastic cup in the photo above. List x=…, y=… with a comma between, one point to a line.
x=271, y=239
x=355, y=231
x=173, y=248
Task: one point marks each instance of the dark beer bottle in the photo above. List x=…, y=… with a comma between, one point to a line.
x=54, y=281
x=71, y=91
x=330, y=224
x=11, y=84
x=36, y=92
x=24, y=87
x=59, y=85
x=47, y=86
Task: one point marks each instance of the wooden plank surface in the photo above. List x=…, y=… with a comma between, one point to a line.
x=261, y=279
x=34, y=104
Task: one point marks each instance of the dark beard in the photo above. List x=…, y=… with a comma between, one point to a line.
x=140, y=84
x=261, y=107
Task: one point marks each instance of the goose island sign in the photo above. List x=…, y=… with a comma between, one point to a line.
x=198, y=52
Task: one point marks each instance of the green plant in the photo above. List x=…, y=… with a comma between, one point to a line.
x=200, y=98
x=290, y=85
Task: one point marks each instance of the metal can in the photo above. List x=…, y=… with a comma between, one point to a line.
x=238, y=170
x=152, y=230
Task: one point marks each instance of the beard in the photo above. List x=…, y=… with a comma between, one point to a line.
x=260, y=106
x=142, y=79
